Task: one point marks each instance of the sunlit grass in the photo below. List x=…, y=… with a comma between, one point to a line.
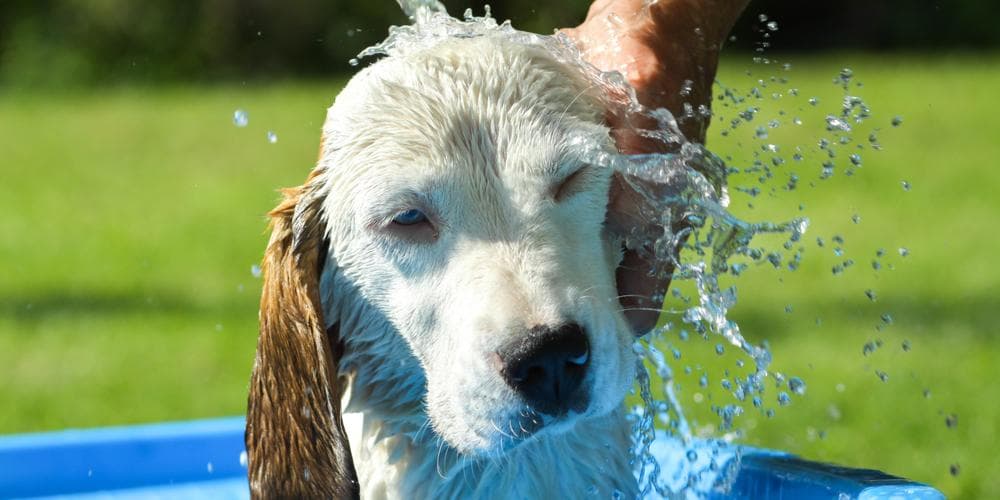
x=131, y=219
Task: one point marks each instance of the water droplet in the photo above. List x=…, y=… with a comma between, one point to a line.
x=906, y=346
x=897, y=121
x=772, y=26
x=856, y=219
x=797, y=386
x=209, y=467
x=813, y=101
x=951, y=421
x=871, y=346
x=788, y=308
x=871, y=295
x=241, y=118
x=954, y=469
x=835, y=124
x=855, y=159
x=903, y=251
x=761, y=133
x=354, y=61
x=905, y=184
x=887, y=318
x=692, y=456
x=762, y=18
x=255, y=271
x=775, y=259
x=783, y=398
x=827, y=170
x=272, y=137
x=243, y=458
x=719, y=349
x=687, y=86
x=883, y=376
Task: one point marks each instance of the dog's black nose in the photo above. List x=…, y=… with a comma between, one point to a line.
x=546, y=367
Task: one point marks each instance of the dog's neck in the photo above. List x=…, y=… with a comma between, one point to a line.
x=405, y=459
x=398, y=455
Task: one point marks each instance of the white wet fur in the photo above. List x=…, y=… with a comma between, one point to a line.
x=477, y=133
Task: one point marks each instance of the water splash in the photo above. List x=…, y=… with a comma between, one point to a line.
x=241, y=118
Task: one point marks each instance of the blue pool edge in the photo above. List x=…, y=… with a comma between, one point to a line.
x=206, y=459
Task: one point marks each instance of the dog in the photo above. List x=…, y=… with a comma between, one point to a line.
x=442, y=291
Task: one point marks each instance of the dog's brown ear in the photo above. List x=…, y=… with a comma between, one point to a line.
x=296, y=444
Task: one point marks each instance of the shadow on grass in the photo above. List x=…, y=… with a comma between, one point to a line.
x=917, y=315
x=37, y=308
x=976, y=313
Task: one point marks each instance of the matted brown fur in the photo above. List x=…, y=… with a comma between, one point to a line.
x=296, y=444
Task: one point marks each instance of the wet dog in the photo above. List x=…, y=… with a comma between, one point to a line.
x=444, y=283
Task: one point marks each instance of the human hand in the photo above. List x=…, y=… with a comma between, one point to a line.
x=661, y=48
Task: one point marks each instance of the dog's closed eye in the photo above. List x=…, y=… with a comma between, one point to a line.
x=572, y=184
x=409, y=217
x=412, y=225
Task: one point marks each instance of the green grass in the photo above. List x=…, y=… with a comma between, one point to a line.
x=131, y=218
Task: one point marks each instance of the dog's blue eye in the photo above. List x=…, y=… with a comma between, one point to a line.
x=409, y=217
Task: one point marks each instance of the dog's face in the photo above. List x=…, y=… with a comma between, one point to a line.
x=460, y=210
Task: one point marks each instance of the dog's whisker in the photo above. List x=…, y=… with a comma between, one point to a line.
x=502, y=433
x=632, y=295
x=423, y=428
x=649, y=309
x=440, y=449
x=575, y=98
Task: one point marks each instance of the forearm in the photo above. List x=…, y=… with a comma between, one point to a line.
x=688, y=36
x=659, y=46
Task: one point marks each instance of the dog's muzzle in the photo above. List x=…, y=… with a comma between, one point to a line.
x=546, y=368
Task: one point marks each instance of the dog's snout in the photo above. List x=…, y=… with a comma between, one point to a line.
x=547, y=366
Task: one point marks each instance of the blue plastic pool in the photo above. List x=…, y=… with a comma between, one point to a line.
x=205, y=459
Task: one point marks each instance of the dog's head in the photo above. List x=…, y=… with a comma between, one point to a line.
x=452, y=243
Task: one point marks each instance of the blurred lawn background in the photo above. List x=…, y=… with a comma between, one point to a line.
x=132, y=214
